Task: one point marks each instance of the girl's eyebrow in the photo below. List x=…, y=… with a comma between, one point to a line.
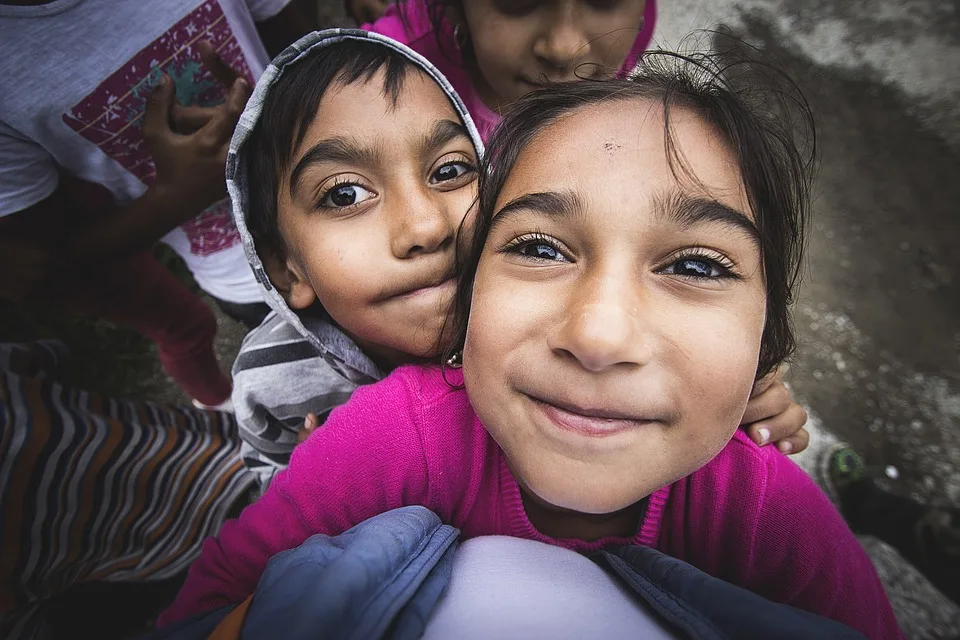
x=564, y=204
x=688, y=210
x=678, y=207
x=337, y=149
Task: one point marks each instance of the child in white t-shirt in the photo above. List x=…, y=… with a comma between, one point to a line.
x=77, y=77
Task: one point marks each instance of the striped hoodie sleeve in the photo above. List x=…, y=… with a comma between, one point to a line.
x=279, y=377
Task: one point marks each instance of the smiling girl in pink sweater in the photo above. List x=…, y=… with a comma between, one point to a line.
x=628, y=280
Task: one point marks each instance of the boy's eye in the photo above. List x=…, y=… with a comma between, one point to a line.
x=345, y=195
x=450, y=171
x=697, y=267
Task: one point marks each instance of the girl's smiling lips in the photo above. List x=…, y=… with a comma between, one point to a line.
x=597, y=423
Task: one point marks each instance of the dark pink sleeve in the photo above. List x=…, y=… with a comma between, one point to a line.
x=366, y=459
x=804, y=554
x=392, y=23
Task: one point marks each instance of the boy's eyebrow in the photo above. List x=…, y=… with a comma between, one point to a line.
x=562, y=204
x=443, y=132
x=335, y=149
x=688, y=210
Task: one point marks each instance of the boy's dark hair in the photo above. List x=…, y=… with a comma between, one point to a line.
x=753, y=120
x=288, y=111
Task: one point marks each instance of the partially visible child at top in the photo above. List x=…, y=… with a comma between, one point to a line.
x=627, y=282
x=495, y=51
x=359, y=169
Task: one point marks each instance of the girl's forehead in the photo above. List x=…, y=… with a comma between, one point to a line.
x=628, y=139
x=627, y=143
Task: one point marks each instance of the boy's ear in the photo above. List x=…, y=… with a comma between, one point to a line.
x=289, y=280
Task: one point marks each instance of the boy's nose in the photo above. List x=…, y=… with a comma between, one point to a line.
x=423, y=228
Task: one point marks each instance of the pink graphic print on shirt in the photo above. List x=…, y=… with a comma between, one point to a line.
x=111, y=116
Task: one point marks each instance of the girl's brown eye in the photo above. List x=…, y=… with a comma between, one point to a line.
x=515, y=7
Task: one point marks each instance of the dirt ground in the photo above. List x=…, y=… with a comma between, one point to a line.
x=878, y=364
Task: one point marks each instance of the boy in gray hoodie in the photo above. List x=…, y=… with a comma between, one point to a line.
x=350, y=172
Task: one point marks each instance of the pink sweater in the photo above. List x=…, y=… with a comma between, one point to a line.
x=418, y=34
x=750, y=516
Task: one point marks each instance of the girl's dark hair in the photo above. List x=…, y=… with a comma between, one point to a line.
x=290, y=108
x=753, y=107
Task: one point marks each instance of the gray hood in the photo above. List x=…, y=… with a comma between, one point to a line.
x=323, y=335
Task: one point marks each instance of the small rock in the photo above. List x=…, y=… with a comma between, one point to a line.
x=892, y=472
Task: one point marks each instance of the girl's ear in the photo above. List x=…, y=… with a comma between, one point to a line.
x=454, y=15
x=289, y=280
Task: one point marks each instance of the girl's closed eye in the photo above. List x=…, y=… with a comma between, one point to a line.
x=700, y=264
x=344, y=193
x=537, y=247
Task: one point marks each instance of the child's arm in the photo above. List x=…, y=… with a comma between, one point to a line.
x=367, y=459
x=805, y=555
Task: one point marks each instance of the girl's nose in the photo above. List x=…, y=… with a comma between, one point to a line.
x=562, y=44
x=602, y=329
x=421, y=226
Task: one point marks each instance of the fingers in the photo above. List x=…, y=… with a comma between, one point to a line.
x=773, y=400
x=765, y=382
x=156, y=115
x=187, y=120
x=223, y=72
x=795, y=443
x=310, y=424
x=787, y=426
x=221, y=125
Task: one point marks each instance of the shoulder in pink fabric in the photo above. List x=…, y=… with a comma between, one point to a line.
x=754, y=518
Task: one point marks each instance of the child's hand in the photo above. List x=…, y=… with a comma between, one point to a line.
x=190, y=167
x=773, y=416
x=187, y=119
x=310, y=424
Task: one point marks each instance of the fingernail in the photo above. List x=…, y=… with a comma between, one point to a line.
x=785, y=447
x=764, y=434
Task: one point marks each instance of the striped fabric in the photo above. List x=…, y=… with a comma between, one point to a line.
x=96, y=489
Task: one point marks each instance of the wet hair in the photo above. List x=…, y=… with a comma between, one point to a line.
x=288, y=111
x=755, y=109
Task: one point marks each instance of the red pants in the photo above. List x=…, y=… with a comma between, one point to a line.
x=140, y=293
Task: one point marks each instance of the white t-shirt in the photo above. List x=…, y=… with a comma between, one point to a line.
x=74, y=76
x=511, y=588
